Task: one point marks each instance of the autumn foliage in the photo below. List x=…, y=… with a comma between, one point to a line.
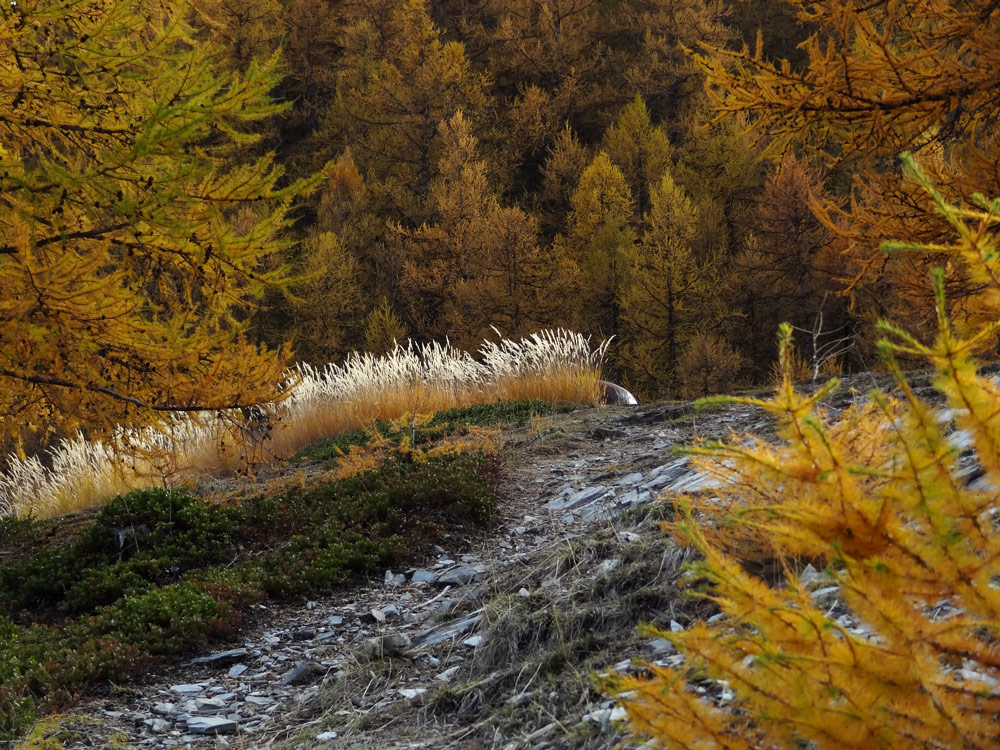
x=127, y=279
x=907, y=539
x=643, y=171
x=876, y=79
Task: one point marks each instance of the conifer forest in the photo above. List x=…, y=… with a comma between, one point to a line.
x=199, y=197
x=197, y=194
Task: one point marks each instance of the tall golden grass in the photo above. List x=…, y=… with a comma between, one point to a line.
x=558, y=366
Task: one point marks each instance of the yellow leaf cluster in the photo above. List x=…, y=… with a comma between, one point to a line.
x=398, y=441
x=879, y=498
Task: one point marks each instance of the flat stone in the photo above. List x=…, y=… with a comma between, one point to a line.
x=461, y=575
x=237, y=669
x=474, y=642
x=411, y=693
x=158, y=725
x=209, y=704
x=601, y=716
x=423, y=576
x=335, y=620
x=394, y=580
x=577, y=499
x=303, y=672
x=447, y=675
x=661, y=646
x=259, y=700
x=391, y=613
x=447, y=631
x=222, y=658
x=326, y=736
x=164, y=709
x=325, y=636
x=692, y=482
x=211, y=725
x=386, y=645
x=187, y=689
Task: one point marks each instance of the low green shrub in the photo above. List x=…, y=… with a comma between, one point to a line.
x=500, y=412
x=144, y=538
x=160, y=572
x=13, y=527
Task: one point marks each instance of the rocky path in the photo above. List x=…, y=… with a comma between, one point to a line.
x=486, y=646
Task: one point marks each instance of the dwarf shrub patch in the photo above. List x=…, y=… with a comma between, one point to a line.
x=160, y=572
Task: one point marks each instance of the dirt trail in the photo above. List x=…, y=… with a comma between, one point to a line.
x=490, y=645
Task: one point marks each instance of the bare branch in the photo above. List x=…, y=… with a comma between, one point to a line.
x=91, y=388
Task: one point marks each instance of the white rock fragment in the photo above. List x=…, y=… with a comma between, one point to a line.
x=394, y=580
x=186, y=689
x=447, y=675
x=209, y=704
x=411, y=693
x=606, y=567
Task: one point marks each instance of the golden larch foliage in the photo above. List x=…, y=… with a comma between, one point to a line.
x=127, y=283
x=879, y=78
x=879, y=499
x=598, y=235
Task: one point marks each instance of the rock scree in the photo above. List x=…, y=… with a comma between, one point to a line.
x=490, y=646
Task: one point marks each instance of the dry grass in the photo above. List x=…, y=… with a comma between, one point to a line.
x=557, y=366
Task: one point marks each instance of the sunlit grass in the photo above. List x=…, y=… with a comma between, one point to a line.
x=557, y=366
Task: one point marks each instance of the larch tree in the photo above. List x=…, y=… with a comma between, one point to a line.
x=640, y=150
x=546, y=62
x=669, y=293
x=397, y=81
x=242, y=32
x=882, y=77
x=328, y=311
x=598, y=236
x=648, y=43
x=478, y=264
x=312, y=53
x=561, y=172
x=792, y=269
x=442, y=256
x=893, y=644
x=126, y=285
x=581, y=61
x=350, y=209
x=720, y=167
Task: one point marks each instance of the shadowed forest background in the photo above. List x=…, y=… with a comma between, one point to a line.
x=532, y=164
x=681, y=175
